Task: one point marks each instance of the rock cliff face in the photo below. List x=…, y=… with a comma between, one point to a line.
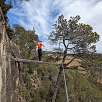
x=9, y=71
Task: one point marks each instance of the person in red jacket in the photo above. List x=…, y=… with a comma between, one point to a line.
x=39, y=49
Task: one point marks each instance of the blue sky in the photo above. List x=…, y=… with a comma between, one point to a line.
x=42, y=14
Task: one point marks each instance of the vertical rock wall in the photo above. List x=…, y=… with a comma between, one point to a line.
x=9, y=73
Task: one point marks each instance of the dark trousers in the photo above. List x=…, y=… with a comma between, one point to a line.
x=40, y=54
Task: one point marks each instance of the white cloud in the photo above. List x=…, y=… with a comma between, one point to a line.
x=40, y=14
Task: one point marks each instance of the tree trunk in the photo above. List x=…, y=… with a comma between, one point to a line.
x=55, y=86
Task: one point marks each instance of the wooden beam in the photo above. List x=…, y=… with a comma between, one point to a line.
x=31, y=61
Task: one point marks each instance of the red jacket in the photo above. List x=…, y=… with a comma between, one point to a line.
x=39, y=45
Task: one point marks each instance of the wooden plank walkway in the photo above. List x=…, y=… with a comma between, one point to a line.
x=31, y=61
